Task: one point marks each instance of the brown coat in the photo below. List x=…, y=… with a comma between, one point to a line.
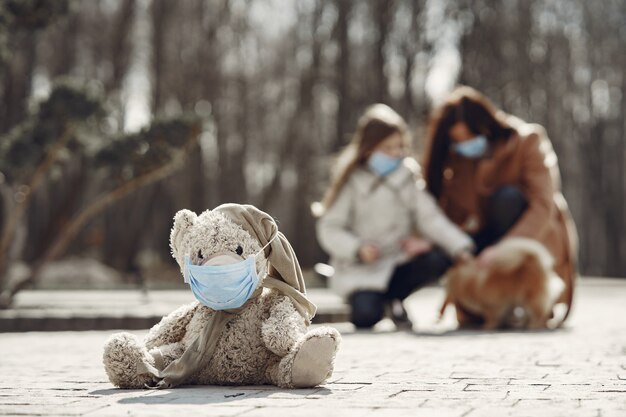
x=526, y=160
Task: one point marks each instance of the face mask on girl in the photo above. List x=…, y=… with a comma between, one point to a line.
x=383, y=164
x=224, y=281
x=472, y=148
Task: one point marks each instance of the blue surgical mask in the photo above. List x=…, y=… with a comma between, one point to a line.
x=224, y=281
x=383, y=164
x=472, y=148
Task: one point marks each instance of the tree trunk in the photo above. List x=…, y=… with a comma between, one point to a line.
x=18, y=211
x=120, y=45
x=383, y=16
x=161, y=14
x=342, y=75
x=18, y=80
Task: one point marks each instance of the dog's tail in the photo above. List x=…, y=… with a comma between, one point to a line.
x=516, y=251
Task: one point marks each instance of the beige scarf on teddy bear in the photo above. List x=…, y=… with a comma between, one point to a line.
x=284, y=275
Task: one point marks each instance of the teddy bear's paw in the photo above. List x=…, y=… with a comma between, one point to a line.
x=314, y=361
x=124, y=357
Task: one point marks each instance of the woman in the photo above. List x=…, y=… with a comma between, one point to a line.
x=496, y=177
x=379, y=224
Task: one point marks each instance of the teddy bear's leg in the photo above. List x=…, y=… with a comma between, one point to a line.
x=123, y=360
x=310, y=362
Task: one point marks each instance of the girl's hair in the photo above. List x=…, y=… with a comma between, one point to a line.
x=466, y=105
x=377, y=123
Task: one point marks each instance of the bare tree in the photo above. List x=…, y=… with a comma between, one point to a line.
x=140, y=160
x=342, y=70
x=382, y=13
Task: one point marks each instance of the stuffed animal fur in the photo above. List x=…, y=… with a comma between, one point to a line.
x=268, y=342
x=518, y=289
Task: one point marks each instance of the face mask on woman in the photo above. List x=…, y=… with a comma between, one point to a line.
x=473, y=148
x=383, y=164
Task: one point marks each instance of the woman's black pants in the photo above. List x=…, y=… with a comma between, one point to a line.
x=506, y=205
x=368, y=307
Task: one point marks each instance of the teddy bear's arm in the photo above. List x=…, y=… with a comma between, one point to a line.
x=284, y=326
x=166, y=354
x=172, y=327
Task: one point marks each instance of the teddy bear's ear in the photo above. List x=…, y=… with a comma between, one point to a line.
x=183, y=221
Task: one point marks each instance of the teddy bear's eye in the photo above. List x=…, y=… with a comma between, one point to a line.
x=239, y=250
x=200, y=254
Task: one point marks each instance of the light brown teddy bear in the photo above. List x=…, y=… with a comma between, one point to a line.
x=257, y=330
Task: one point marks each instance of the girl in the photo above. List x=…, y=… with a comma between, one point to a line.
x=379, y=224
x=496, y=176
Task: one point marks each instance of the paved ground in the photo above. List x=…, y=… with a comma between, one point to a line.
x=577, y=371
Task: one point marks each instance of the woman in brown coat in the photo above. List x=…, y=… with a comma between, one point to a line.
x=496, y=177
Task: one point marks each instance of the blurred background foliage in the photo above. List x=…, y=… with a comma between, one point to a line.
x=105, y=92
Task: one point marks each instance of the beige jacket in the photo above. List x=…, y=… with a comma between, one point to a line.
x=368, y=210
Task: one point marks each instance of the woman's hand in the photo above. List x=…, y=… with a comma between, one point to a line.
x=463, y=257
x=413, y=246
x=369, y=253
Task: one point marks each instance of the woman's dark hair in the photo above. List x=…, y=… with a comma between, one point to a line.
x=466, y=105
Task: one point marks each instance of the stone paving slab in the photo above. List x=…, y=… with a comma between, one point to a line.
x=433, y=371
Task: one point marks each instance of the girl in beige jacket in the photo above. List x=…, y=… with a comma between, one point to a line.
x=384, y=232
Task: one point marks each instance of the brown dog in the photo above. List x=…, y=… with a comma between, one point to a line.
x=517, y=289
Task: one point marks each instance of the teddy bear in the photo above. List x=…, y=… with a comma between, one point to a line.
x=253, y=330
